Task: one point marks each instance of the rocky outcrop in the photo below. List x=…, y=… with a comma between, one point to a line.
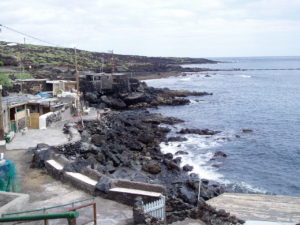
x=212, y=216
x=198, y=131
x=126, y=145
x=129, y=93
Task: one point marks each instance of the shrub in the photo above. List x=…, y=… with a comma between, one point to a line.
x=23, y=76
x=1, y=63
x=4, y=80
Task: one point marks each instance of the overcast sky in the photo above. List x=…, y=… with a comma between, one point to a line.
x=195, y=28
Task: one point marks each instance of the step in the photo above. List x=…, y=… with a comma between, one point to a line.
x=82, y=178
x=135, y=192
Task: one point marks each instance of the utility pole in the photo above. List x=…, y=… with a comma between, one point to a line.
x=77, y=101
x=112, y=62
x=76, y=71
x=1, y=117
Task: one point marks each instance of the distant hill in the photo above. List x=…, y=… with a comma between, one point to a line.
x=38, y=56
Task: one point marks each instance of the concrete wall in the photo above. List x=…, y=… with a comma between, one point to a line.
x=16, y=203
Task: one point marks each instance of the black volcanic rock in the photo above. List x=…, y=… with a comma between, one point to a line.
x=198, y=131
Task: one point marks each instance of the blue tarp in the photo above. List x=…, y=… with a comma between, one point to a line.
x=44, y=95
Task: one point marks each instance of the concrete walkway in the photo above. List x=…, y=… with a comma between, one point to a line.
x=255, y=207
x=266, y=223
x=50, y=136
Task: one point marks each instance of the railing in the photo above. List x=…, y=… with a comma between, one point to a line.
x=71, y=211
x=86, y=205
x=156, y=208
x=48, y=208
x=70, y=216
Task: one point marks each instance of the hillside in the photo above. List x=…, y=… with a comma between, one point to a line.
x=38, y=56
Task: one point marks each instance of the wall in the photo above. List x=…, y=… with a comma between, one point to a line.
x=6, y=125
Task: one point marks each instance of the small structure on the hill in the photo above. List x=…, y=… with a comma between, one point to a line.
x=53, y=87
x=106, y=82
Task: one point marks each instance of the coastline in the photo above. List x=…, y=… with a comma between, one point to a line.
x=160, y=75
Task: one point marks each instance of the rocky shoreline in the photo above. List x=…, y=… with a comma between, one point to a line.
x=125, y=144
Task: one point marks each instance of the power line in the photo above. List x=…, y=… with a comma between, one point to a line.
x=27, y=35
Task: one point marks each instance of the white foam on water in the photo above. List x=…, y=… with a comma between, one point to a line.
x=243, y=75
x=198, y=155
x=200, y=151
x=246, y=186
x=185, y=79
x=192, y=102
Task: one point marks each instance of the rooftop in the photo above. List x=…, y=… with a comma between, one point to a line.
x=23, y=99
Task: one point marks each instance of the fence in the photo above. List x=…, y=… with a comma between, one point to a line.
x=157, y=208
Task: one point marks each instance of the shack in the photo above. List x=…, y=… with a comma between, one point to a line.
x=20, y=112
x=105, y=82
x=56, y=87
x=31, y=86
x=53, y=87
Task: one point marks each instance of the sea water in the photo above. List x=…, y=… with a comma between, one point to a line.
x=258, y=93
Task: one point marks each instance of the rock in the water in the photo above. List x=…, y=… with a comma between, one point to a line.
x=177, y=139
x=187, y=168
x=219, y=154
x=198, y=131
x=247, y=131
x=181, y=153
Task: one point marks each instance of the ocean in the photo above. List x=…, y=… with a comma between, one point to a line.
x=257, y=93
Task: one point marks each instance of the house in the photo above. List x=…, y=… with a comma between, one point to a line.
x=20, y=112
x=31, y=86
x=53, y=87
x=105, y=82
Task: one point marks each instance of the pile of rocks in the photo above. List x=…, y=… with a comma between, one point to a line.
x=142, y=96
x=125, y=145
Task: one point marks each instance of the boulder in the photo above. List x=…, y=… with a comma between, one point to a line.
x=176, y=139
x=198, y=131
x=219, y=154
x=104, y=184
x=171, y=165
x=181, y=153
x=247, y=131
x=187, y=168
x=115, y=103
x=98, y=139
x=153, y=168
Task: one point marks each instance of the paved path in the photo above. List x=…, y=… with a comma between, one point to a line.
x=257, y=207
x=31, y=138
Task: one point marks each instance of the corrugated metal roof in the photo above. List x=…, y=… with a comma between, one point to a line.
x=23, y=99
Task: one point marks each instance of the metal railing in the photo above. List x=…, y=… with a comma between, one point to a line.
x=71, y=212
x=70, y=216
x=48, y=208
x=93, y=204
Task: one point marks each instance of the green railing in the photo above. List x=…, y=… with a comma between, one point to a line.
x=70, y=216
x=48, y=208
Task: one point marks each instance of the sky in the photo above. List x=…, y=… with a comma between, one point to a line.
x=189, y=28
